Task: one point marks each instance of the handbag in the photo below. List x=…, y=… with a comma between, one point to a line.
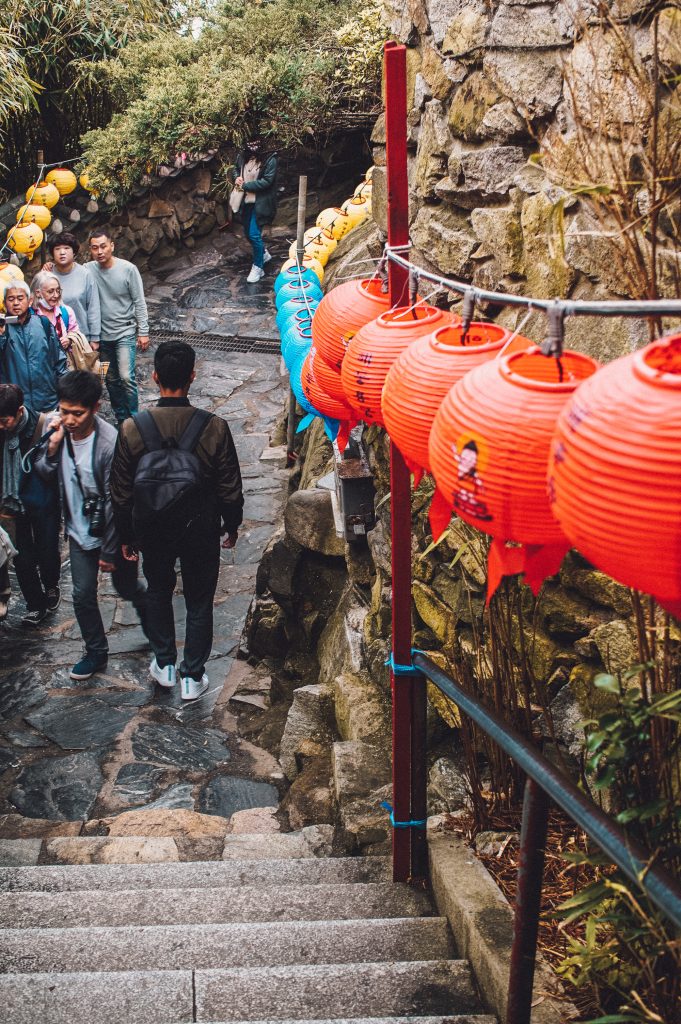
x=81, y=356
x=235, y=199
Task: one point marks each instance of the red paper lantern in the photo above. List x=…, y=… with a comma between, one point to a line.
x=489, y=453
x=316, y=393
x=345, y=309
x=614, y=475
x=419, y=379
x=375, y=348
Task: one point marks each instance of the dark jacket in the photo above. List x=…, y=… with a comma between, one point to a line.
x=265, y=187
x=35, y=493
x=102, y=457
x=31, y=356
x=215, y=451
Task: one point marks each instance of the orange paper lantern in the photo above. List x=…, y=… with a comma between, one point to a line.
x=614, y=474
x=375, y=348
x=339, y=316
x=489, y=452
x=418, y=381
x=316, y=393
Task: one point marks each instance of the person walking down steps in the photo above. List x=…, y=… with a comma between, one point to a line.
x=175, y=487
x=255, y=198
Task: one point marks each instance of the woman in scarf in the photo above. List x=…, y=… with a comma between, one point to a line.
x=29, y=508
x=46, y=294
x=256, y=181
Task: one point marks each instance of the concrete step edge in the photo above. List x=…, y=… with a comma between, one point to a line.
x=204, y=947
x=194, y=874
x=92, y=908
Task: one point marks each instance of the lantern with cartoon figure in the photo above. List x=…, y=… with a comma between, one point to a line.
x=44, y=194
x=63, y=179
x=33, y=213
x=25, y=239
x=614, y=478
x=489, y=452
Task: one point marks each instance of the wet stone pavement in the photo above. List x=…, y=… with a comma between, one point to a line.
x=70, y=752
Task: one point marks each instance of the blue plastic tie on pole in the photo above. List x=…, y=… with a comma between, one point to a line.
x=403, y=670
x=419, y=823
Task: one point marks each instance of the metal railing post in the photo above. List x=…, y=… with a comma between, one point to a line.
x=528, y=903
x=407, y=694
x=300, y=253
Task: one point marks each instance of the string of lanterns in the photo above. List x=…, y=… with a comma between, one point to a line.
x=35, y=216
x=542, y=454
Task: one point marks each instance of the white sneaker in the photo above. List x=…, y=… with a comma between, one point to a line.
x=165, y=676
x=192, y=689
x=267, y=257
x=256, y=274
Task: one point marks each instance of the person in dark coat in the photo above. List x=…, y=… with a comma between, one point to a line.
x=256, y=176
x=31, y=505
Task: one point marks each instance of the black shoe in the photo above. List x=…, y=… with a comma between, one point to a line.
x=4, y=606
x=53, y=599
x=34, y=618
x=88, y=665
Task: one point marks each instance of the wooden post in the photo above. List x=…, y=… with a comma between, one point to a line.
x=300, y=252
x=43, y=245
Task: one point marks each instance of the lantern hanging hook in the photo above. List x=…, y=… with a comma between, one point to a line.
x=555, y=336
x=413, y=291
x=382, y=272
x=467, y=313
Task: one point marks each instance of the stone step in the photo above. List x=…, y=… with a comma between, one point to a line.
x=205, y=946
x=467, y=1018
x=440, y=987
x=207, y=906
x=195, y=875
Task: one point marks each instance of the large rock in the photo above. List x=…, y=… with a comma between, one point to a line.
x=361, y=779
x=540, y=27
x=434, y=612
x=616, y=644
x=309, y=718
x=225, y=794
x=433, y=148
x=448, y=788
x=587, y=248
x=314, y=841
x=548, y=275
x=487, y=172
x=58, y=788
x=176, y=823
x=309, y=799
x=444, y=237
x=532, y=80
x=443, y=13
x=471, y=102
x=440, y=73
x=605, y=93
x=340, y=646
x=595, y=585
x=466, y=32
x=499, y=229
x=309, y=522
x=362, y=711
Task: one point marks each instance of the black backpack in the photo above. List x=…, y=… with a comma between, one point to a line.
x=169, y=487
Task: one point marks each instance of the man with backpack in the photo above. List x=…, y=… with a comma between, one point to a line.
x=78, y=455
x=175, y=487
x=30, y=353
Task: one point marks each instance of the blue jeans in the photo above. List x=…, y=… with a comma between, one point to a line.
x=252, y=233
x=120, y=377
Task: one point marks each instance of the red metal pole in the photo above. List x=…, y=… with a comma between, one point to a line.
x=400, y=484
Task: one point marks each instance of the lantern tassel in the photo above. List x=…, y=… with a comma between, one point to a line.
x=534, y=561
x=440, y=514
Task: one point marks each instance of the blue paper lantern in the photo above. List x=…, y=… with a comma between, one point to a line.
x=298, y=338
x=292, y=288
x=294, y=274
x=293, y=306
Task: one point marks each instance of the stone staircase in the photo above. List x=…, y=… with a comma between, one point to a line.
x=306, y=940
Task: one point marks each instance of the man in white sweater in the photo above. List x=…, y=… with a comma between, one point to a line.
x=125, y=323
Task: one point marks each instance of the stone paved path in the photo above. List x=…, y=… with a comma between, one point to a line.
x=71, y=752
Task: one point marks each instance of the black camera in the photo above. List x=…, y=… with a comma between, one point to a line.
x=94, y=509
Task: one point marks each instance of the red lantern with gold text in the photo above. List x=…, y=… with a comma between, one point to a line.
x=419, y=379
x=374, y=349
x=614, y=472
x=345, y=309
x=489, y=453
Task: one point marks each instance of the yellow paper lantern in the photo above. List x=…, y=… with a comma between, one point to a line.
x=11, y=273
x=44, y=194
x=319, y=252
x=63, y=179
x=308, y=261
x=319, y=236
x=369, y=174
x=34, y=214
x=25, y=238
x=357, y=209
x=363, y=189
x=335, y=221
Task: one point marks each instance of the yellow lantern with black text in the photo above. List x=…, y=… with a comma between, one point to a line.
x=308, y=261
x=25, y=239
x=320, y=236
x=63, y=179
x=44, y=194
x=335, y=221
x=314, y=249
x=358, y=209
x=32, y=213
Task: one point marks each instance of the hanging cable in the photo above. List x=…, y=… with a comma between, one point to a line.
x=467, y=314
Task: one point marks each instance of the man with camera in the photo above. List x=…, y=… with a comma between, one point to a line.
x=79, y=453
x=30, y=353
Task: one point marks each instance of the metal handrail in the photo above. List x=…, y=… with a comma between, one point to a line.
x=544, y=782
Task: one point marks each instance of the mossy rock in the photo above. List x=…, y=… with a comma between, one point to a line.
x=591, y=700
x=471, y=102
